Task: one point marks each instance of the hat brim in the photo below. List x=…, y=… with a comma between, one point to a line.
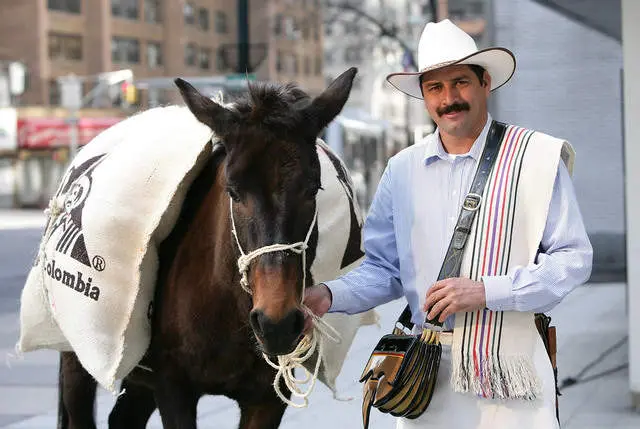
x=500, y=63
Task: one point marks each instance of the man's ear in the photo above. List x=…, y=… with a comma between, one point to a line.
x=486, y=79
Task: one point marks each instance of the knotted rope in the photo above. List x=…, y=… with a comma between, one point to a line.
x=286, y=364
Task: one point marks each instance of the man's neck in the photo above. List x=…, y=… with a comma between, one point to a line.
x=456, y=145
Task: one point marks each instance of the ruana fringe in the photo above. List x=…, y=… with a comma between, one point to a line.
x=501, y=377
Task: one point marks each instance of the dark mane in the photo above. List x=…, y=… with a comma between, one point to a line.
x=273, y=105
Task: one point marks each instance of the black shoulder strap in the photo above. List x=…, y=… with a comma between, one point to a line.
x=471, y=204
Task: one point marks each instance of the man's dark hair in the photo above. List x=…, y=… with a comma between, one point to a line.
x=479, y=71
x=476, y=69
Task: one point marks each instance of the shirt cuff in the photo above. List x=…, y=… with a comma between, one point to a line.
x=498, y=292
x=340, y=295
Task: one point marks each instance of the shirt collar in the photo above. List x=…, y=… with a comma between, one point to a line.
x=434, y=149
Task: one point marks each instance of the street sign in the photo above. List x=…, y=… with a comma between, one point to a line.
x=17, y=73
x=70, y=92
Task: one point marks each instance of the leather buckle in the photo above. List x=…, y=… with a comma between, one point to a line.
x=472, y=202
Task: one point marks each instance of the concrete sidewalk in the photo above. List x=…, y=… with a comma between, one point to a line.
x=17, y=219
x=590, y=321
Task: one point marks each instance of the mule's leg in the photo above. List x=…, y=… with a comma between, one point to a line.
x=133, y=407
x=63, y=416
x=177, y=402
x=266, y=414
x=77, y=394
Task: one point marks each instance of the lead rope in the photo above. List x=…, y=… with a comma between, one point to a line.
x=52, y=212
x=286, y=364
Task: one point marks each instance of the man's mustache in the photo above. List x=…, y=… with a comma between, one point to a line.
x=455, y=107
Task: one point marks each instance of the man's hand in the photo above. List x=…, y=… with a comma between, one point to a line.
x=454, y=295
x=318, y=299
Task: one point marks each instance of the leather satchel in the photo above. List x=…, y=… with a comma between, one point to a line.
x=400, y=375
x=548, y=335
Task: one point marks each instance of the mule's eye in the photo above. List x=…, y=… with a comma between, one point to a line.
x=233, y=194
x=311, y=193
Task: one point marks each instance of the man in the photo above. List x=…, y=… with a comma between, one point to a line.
x=527, y=250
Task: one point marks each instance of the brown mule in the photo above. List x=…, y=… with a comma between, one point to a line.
x=208, y=334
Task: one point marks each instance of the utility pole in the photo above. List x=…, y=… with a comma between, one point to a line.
x=73, y=101
x=243, y=37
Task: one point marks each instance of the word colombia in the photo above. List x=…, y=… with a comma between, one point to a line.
x=73, y=281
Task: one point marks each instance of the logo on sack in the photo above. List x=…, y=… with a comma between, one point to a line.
x=73, y=281
x=76, y=188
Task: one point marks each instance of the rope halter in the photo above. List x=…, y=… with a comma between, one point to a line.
x=307, y=346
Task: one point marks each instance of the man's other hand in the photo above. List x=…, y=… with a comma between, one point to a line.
x=449, y=296
x=318, y=299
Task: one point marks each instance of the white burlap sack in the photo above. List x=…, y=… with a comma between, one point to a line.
x=92, y=284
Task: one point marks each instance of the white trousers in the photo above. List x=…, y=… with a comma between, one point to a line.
x=452, y=410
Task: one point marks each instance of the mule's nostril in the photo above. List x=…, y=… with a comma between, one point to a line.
x=255, y=318
x=277, y=337
x=298, y=322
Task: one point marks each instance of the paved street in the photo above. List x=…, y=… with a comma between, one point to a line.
x=590, y=321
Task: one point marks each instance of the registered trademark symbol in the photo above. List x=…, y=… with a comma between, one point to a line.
x=98, y=263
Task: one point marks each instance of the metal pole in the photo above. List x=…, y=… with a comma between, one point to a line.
x=73, y=134
x=243, y=37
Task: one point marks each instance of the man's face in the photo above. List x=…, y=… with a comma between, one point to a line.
x=456, y=99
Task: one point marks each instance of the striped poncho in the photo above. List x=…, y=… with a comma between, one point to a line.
x=492, y=350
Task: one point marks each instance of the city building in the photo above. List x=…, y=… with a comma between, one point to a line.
x=157, y=39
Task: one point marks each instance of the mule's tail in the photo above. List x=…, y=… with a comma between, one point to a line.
x=63, y=416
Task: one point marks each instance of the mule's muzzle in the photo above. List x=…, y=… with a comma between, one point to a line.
x=278, y=337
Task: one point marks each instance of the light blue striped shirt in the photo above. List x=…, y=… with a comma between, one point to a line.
x=410, y=223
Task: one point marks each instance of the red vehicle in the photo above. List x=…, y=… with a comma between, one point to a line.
x=35, y=151
x=53, y=133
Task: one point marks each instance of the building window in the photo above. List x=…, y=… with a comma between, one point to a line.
x=189, y=14
x=279, y=65
x=54, y=93
x=158, y=97
x=221, y=60
x=318, y=66
x=65, y=46
x=307, y=66
x=476, y=8
x=291, y=30
x=351, y=28
x=203, y=19
x=190, y=55
x=152, y=11
x=125, y=8
x=352, y=54
x=125, y=50
x=154, y=55
x=221, y=22
x=328, y=57
x=204, y=58
x=278, y=24
x=69, y=6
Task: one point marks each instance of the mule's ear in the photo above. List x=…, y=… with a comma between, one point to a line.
x=327, y=105
x=207, y=111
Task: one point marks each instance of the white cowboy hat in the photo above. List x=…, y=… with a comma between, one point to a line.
x=444, y=44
